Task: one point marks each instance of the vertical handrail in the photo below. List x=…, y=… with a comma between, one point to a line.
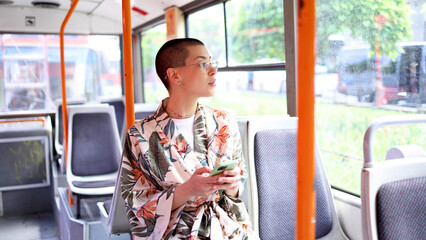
x=128, y=64
x=63, y=82
x=305, y=213
x=64, y=90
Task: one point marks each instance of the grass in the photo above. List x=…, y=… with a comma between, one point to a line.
x=340, y=130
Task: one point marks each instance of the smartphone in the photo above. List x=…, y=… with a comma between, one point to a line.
x=222, y=166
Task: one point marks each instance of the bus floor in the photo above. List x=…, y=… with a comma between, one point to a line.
x=40, y=226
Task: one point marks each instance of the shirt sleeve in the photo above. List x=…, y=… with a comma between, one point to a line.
x=148, y=203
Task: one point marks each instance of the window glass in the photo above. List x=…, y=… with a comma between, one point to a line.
x=152, y=40
x=208, y=26
x=31, y=74
x=255, y=31
x=250, y=93
x=1, y=80
x=370, y=64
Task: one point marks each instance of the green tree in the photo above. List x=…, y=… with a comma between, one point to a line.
x=251, y=40
x=335, y=16
x=257, y=30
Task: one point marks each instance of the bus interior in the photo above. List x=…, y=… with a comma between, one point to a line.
x=60, y=166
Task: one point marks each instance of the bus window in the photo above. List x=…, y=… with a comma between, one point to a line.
x=248, y=92
x=1, y=79
x=31, y=75
x=409, y=78
x=151, y=41
x=367, y=88
x=208, y=25
x=255, y=32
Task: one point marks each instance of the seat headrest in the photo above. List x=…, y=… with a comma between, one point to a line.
x=405, y=151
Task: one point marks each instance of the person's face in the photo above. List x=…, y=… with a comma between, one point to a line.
x=197, y=81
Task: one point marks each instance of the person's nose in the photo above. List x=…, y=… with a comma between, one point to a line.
x=212, y=70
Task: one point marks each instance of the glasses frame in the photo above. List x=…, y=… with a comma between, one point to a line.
x=204, y=65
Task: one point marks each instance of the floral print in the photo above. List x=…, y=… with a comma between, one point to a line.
x=156, y=158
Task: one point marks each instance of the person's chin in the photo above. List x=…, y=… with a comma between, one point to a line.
x=210, y=93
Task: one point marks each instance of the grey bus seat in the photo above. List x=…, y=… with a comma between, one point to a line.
x=272, y=149
x=113, y=212
x=143, y=110
x=405, y=151
x=393, y=193
x=94, y=151
x=119, y=108
x=243, y=128
x=59, y=131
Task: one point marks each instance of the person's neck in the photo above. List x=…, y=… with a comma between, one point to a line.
x=180, y=108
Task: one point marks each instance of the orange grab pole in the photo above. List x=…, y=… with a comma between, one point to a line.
x=128, y=64
x=305, y=214
x=63, y=84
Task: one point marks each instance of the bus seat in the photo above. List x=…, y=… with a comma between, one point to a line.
x=405, y=151
x=242, y=127
x=272, y=149
x=120, y=109
x=393, y=193
x=59, y=132
x=143, y=110
x=113, y=212
x=94, y=151
x=25, y=160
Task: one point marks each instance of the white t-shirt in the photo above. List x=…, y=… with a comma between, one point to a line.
x=186, y=127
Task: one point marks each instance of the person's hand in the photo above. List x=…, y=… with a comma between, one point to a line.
x=229, y=181
x=201, y=184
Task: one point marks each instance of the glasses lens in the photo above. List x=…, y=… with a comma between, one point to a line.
x=206, y=65
x=213, y=64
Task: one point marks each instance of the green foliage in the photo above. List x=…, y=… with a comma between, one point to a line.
x=151, y=42
x=340, y=130
x=334, y=16
x=258, y=32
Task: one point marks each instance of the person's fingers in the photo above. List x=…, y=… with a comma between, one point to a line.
x=229, y=179
x=234, y=172
x=226, y=186
x=203, y=170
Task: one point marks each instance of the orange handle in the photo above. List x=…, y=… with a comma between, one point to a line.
x=23, y=120
x=64, y=89
x=63, y=85
x=305, y=214
x=128, y=64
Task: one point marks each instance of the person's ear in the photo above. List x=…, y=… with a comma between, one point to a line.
x=173, y=75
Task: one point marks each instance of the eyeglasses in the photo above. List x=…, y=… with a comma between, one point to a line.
x=204, y=65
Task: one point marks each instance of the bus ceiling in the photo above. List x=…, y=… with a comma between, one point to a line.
x=90, y=17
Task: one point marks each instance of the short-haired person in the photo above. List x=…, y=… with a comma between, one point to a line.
x=168, y=157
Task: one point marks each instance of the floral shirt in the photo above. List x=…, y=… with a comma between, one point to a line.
x=156, y=159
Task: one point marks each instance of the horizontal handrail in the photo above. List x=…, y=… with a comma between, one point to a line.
x=386, y=121
x=39, y=119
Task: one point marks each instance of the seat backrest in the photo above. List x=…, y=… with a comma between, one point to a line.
x=95, y=146
x=393, y=193
x=59, y=131
x=143, y=110
x=114, y=213
x=272, y=146
x=25, y=151
x=405, y=151
x=119, y=107
x=242, y=127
